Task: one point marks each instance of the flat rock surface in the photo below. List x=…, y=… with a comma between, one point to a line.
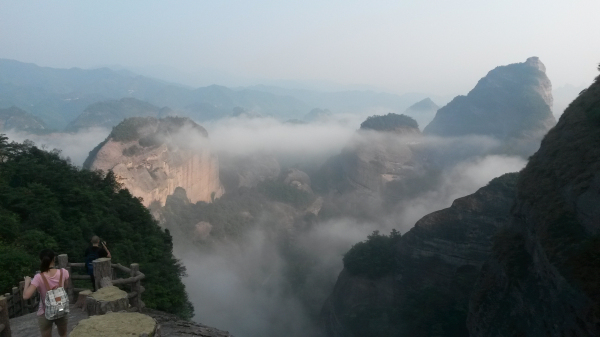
x=108, y=294
x=171, y=326
x=115, y=324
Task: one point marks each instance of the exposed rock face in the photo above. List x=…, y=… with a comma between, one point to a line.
x=543, y=277
x=110, y=113
x=436, y=263
x=512, y=103
x=17, y=119
x=153, y=157
x=379, y=156
x=372, y=163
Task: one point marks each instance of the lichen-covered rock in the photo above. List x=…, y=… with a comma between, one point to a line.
x=117, y=324
x=152, y=157
x=106, y=299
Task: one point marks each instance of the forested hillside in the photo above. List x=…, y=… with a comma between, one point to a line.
x=45, y=202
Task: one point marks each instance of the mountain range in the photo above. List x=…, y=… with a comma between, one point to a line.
x=59, y=96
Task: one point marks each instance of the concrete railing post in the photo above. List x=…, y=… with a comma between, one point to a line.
x=4, y=320
x=102, y=271
x=136, y=300
x=63, y=262
x=24, y=306
x=16, y=302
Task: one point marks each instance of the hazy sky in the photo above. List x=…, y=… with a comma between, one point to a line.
x=439, y=47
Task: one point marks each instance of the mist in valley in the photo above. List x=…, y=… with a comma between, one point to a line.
x=299, y=131
x=273, y=278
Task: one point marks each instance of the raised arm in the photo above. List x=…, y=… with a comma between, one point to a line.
x=107, y=251
x=29, y=289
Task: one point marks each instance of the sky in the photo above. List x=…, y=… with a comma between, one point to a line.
x=429, y=46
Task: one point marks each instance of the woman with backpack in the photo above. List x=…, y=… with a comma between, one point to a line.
x=54, y=302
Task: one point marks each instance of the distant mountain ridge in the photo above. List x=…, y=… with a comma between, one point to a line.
x=59, y=96
x=19, y=120
x=110, y=113
x=424, y=105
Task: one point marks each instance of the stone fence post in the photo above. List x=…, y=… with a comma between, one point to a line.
x=4, y=321
x=63, y=262
x=102, y=272
x=136, y=288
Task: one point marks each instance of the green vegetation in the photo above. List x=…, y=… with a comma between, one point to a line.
x=389, y=122
x=128, y=129
x=374, y=257
x=45, y=202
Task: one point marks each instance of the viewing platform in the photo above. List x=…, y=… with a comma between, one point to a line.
x=18, y=317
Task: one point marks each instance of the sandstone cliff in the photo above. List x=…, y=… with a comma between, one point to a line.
x=152, y=157
x=427, y=290
x=511, y=103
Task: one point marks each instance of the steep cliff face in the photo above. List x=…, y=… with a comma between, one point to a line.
x=512, y=103
x=426, y=291
x=544, y=274
x=520, y=257
x=152, y=157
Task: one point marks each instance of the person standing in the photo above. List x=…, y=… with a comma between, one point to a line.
x=47, y=280
x=92, y=253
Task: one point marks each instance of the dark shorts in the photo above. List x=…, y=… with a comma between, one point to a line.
x=46, y=325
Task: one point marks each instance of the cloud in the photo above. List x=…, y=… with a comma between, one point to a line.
x=243, y=136
x=244, y=288
x=75, y=146
x=463, y=179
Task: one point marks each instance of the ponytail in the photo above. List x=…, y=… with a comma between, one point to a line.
x=46, y=258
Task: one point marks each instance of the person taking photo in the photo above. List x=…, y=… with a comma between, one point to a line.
x=92, y=253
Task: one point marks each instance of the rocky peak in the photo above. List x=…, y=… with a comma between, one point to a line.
x=534, y=61
x=511, y=103
x=155, y=158
x=423, y=105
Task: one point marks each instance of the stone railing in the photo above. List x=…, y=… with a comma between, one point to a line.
x=105, y=272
